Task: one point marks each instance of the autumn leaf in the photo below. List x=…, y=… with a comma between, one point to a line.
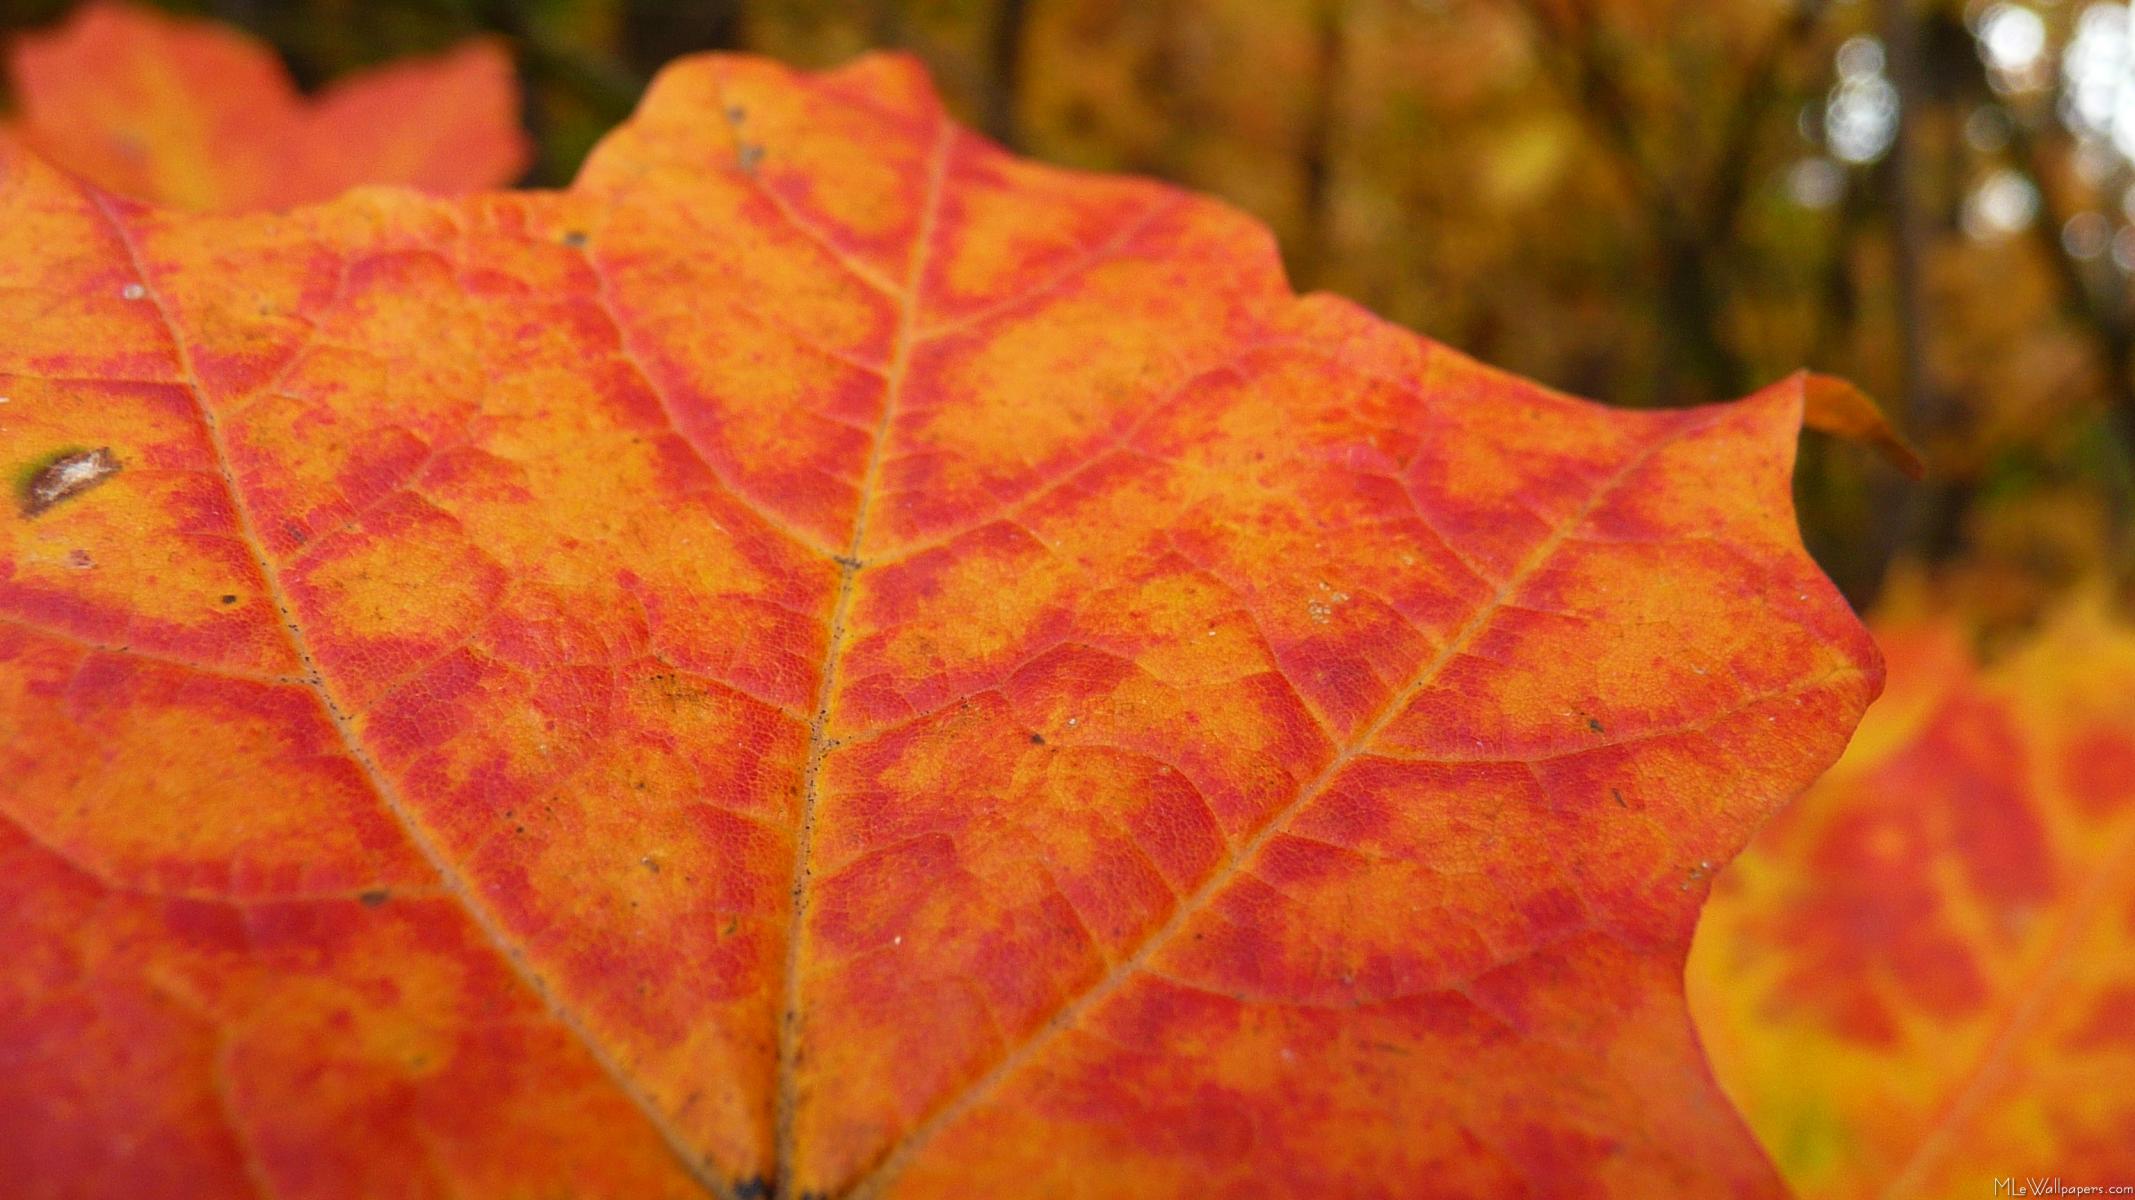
x=195, y=115
x=1916, y=981
x=829, y=660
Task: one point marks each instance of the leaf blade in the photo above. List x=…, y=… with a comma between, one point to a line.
x=1148, y=543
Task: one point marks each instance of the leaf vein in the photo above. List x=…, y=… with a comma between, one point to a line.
x=894, y=1160
x=388, y=795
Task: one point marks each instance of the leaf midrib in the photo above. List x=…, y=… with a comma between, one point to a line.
x=820, y=744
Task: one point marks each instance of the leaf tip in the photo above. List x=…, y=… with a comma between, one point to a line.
x=1837, y=407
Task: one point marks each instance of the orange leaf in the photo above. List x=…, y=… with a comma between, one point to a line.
x=827, y=659
x=199, y=116
x=1917, y=981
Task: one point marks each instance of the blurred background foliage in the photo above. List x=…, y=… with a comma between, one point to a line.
x=1644, y=201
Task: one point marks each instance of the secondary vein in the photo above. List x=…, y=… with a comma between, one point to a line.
x=893, y=1162
x=337, y=716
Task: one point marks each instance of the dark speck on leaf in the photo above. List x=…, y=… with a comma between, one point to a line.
x=1594, y=725
x=575, y=238
x=757, y=1188
x=67, y=476
x=229, y=599
x=750, y=155
x=1037, y=739
x=374, y=897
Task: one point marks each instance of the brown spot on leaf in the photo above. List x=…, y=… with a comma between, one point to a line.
x=66, y=477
